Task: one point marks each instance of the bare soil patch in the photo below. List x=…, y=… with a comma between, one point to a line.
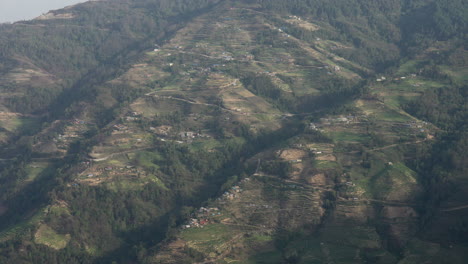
x=317, y=179
x=292, y=154
x=328, y=157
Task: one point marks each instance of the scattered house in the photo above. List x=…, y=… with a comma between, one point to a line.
x=188, y=135
x=236, y=189
x=120, y=127
x=295, y=161
x=78, y=122
x=337, y=68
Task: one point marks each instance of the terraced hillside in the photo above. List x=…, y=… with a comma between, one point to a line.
x=234, y=132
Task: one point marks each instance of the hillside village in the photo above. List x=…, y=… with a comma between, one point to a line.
x=240, y=136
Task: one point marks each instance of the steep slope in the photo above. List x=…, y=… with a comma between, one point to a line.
x=276, y=117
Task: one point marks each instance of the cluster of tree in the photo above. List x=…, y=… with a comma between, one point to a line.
x=444, y=165
x=264, y=87
x=426, y=21
x=90, y=48
x=446, y=107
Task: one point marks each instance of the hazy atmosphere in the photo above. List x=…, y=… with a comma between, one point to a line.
x=234, y=132
x=15, y=10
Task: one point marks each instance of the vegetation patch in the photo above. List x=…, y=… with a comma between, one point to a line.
x=47, y=236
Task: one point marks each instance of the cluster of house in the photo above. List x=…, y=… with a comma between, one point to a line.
x=109, y=170
x=247, y=57
x=329, y=121
x=205, y=216
x=266, y=73
x=416, y=126
x=227, y=57
x=66, y=136
x=234, y=192
x=202, y=217
x=73, y=130
x=263, y=206
x=188, y=135
x=244, y=180
x=295, y=17
x=120, y=127
x=62, y=140
x=420, y=126
x=383, y=78
x=295, y=161
x=78, y=122
x=133, y=116
x=161, y=130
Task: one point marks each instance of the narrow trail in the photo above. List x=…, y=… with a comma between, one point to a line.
x=119, y=153
x=212, y=105
x=385, y=147
x=457, y=208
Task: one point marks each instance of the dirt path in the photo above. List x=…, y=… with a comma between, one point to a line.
x=386, y=147
x=455, y=208
x=211, y=105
